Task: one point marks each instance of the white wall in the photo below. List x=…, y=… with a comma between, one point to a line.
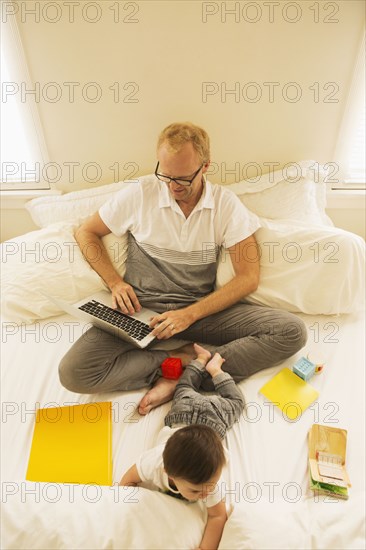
x=15, y=222
x=173, y=61
x=351, y=220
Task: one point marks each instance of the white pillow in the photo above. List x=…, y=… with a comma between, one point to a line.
x=307, y=523
x=309, y=269
x=317, y=283
x=72, y=207
x=50, y=261
x=287, y=194
x=267, y=526
x=284, y=194
x=89, y=517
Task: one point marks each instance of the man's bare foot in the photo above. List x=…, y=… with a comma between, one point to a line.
x=214, y=366
x=161, y=392
x=203, y=355
x=185, y=353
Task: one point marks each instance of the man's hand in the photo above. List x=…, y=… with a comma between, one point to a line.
x=124, y=297
x=170, y=323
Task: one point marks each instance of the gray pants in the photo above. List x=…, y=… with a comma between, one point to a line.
x=216, y=411
x=249, y=337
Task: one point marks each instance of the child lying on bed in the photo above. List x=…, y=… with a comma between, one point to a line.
x=189, y=457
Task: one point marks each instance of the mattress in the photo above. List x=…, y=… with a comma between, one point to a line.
x=266, y=480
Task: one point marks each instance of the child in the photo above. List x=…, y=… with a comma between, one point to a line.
x=189, y=457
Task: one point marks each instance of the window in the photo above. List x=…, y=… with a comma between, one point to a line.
x=350, y=149
x=23, y=150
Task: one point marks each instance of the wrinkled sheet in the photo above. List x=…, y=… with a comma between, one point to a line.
x=266, y=481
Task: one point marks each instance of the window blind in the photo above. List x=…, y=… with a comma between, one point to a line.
x=350, y=149
x=23, y=149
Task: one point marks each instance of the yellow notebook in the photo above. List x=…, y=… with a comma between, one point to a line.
x=289, y=393
x=72, y=445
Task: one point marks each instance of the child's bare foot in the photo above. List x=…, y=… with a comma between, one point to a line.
x=214, y=366
x=161, y=392
x=203, y=355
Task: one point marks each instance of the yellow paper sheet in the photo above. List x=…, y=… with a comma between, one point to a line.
x=289, y=393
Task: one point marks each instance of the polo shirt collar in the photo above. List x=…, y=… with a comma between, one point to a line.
x=206, y=199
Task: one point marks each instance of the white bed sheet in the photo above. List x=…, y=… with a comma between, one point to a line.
x=270, y=503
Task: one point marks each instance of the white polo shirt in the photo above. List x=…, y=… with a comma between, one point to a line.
x=170, y=256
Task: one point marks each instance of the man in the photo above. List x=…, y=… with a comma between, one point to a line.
x=177, y=223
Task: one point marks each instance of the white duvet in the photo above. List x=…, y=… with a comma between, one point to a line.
x=269, y=501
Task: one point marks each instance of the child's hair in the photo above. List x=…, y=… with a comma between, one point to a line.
x=177, y=134
x=194, y=453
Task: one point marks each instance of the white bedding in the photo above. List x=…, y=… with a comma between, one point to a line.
x=270, y=502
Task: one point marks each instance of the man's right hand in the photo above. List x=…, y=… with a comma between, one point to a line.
x=124, y=297
x=90, y=233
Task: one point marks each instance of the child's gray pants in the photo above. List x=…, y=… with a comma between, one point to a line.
x=191, y=407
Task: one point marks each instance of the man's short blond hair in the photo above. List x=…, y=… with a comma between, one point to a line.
x=177, y=134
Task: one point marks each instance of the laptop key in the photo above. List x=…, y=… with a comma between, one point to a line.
x=134, y=328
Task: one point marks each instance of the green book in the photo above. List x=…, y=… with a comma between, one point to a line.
x=327, y=461
x=329, y=489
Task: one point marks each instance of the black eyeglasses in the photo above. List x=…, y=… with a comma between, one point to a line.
x=179, y=181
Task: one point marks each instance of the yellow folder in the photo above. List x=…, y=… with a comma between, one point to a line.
x=289, y=393
x=72, y=445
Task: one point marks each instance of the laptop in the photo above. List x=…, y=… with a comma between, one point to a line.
x=97, y=309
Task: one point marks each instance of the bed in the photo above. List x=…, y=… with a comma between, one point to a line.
x=308, y=267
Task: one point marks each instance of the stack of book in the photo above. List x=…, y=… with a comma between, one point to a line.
x=327, y=459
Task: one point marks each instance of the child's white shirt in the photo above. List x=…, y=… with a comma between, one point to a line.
x=150, y=468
